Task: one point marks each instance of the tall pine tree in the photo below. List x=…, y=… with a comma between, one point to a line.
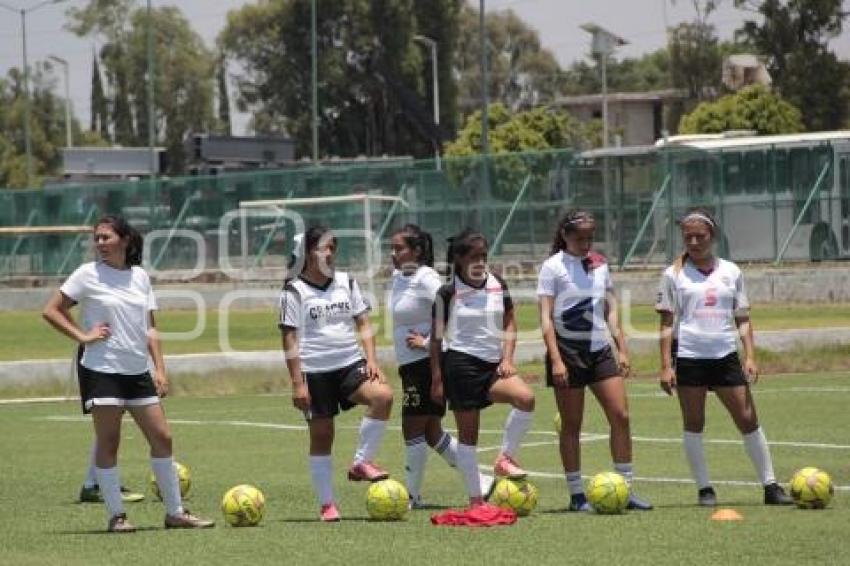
x=99, y=103
x=223, y=98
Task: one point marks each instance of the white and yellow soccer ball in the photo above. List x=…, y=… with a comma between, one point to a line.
x=243, y=506
x=608, y=493
x=184, y=476
x=519, y=495
x=811, y=488
x=387, y=500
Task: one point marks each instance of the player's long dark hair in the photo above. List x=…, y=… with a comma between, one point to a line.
x=418, y=239
x=567, y=224
x=135, y=242
x=312, y=237
x=694, y=214
x=459, y=246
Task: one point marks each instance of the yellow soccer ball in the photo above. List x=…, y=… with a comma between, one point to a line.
x=811, y=488
x=243, y=506
x=184, y=476
x=387, y=500
x=519, y=495
x=608, y=493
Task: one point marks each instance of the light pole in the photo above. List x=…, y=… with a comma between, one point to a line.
x=151, y=114
x=603, y=45
x=69, y=142
x=428, y=42
x=314, y=78
x=27, y=135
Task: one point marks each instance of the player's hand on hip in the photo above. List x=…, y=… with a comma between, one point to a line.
x=301, y=396
x=667, y=380
x=100, y=331
x=416, y=341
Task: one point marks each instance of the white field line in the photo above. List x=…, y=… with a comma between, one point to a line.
x=585, y=436
x=637, y=386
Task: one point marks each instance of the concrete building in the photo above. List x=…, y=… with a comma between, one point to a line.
x=638, y=117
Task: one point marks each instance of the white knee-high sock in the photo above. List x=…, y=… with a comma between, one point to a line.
x=110, y=489
x=696, y=458
x=91, y=475
x=755, y=444
x=416, y=454
x=169, y=485
x=516, y=426
x=574, y=482
x=446, y=447
x=626, y=470
x=371, y=435
x=321, y=473
x=467, y=463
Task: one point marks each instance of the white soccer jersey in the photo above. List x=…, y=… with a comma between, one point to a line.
x=123, y=298
x=705, y=305
x=579, y=286
x=324, y=320
x=475, y=316
x=410, y=303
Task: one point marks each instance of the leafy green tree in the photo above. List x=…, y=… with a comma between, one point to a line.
x=223, y=98
x=521, y=72
x=794, y=35
x=752, y=108
x=532, y=130
x=648, y=72
x=47, y=127
x=372, y=96
x=184, y=71
x=99, y=102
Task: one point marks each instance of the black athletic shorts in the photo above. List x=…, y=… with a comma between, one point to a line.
x=467, y=381
x=331, y=391
x=416, y=385
x=583, y=366
x=711, y=373
x=98, y=389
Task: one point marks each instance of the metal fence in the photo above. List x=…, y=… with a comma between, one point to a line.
x=773, y=202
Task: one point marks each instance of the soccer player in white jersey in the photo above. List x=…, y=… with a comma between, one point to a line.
x=414, y=288
x=119, y=334
x=320, y=309
x=704, y=309
x=475, y=314
x=578, y=310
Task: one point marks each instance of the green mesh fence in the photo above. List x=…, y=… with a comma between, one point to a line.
x=772, y=202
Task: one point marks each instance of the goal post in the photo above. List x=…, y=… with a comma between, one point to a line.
x=276, y=207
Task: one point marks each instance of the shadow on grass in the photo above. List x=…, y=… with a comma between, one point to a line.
x=105, y=532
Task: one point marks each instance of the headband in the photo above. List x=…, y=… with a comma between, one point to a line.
x=699, y=216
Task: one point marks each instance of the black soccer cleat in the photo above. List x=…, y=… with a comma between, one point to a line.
x=775, y=495
x=706, y=497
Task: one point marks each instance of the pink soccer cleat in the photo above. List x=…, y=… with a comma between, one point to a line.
x=507, y=467
x=366, y=471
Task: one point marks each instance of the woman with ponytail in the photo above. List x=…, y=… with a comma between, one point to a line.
x=578, y=310
x=414, y=288
x=474, y=314
x=119, y=334
x=704, y=310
